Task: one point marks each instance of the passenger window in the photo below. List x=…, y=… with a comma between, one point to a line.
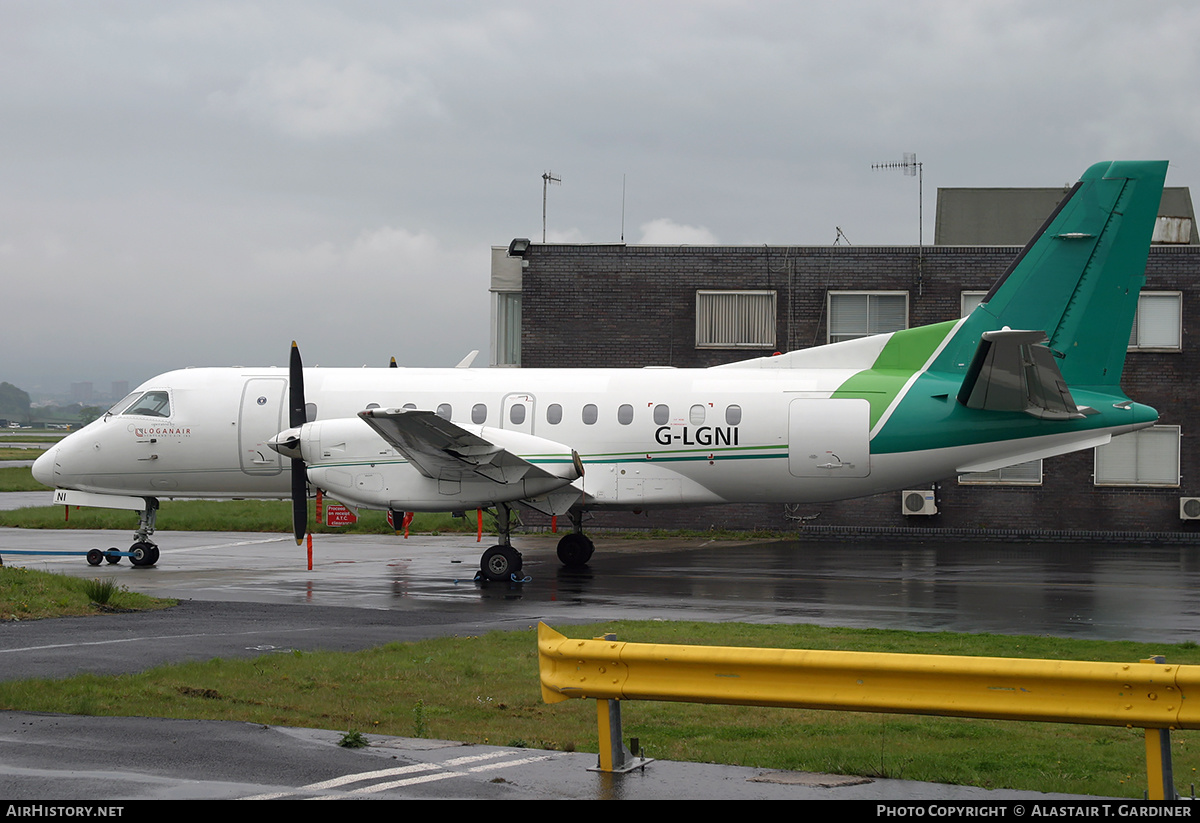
x=479, y=413
x=733, y=415
x=516, y=413
x=554, y=414
x=444, y=411
x=696, y=415
x=151, y=404
x=625, y=414
x=661, y=414
x=410, y=406
x=590, y=414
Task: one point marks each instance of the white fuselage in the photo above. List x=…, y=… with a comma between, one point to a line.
x=646, y=437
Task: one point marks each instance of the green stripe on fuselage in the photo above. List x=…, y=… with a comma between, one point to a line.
x=905, y=353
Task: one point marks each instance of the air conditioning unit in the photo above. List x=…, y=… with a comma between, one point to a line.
x=1189, y=508
x=918, y=501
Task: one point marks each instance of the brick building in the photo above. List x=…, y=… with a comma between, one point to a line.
x=580, y=306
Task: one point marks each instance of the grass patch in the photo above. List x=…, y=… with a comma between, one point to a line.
x=20, y=479
x=221, y=515
x=18, y=453
x=26, y=594
x=485, y=690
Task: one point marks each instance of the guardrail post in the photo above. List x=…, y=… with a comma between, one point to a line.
x=614, y=756
x=1160, y=777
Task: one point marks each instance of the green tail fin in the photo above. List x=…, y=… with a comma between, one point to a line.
x=1079, y=278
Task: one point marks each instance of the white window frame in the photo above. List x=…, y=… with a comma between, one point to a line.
x=1111, y=467
x=506, y=328
x=968, y=300
x=1139, y=339
x=737, y=319
x=1022, y=474
x=833, y=336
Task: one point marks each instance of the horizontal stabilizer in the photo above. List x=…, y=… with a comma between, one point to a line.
x=1015, y=371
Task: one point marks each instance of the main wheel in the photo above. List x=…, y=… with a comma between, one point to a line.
x=500, y=563
x=575, y=550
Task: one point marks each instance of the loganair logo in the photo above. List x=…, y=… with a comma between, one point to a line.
x=697, y=435
x=163, y=431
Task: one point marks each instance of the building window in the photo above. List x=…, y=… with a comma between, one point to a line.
x=1022, y=474
x=862, y=314
x=969, y=301
x=1158, y=324
x=508, y=328
x=735, y=319
x=1149, y=457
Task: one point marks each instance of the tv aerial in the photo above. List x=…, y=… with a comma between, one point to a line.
x=913, y=169
x=547, y=178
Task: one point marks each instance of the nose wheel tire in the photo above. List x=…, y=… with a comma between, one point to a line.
x=500, y=563
x=143, y=554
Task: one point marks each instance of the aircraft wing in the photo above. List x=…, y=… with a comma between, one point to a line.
x=439, y=448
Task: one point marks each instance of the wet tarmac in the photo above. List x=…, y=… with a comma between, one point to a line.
x=1101, y=591
x=249, y=593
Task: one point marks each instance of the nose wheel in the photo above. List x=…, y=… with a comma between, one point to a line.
x=143, y=553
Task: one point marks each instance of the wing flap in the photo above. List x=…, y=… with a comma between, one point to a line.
x=443, y=450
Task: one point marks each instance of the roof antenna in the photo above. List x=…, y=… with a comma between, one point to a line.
x=841, y=235
x=547, y=178
x=914, y=169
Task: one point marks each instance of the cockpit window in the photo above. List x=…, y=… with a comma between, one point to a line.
x=151, y=404
x=123, y=403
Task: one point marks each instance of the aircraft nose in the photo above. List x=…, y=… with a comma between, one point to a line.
x=43, y=467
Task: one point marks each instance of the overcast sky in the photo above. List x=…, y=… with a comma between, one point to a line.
x=199, y=183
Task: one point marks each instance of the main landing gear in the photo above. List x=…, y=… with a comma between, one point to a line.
x=502, y=563
x=575, y=548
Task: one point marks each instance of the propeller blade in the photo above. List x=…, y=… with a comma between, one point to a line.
x=299, y=500
x=296, y=418
x=296, y=413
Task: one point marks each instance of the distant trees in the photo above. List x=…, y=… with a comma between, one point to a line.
x=14, y=403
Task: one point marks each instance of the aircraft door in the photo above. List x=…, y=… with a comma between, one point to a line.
x=516, y=413
x=260, y=418
x=829, y=438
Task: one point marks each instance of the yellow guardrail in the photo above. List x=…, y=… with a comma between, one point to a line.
x=1148, y=694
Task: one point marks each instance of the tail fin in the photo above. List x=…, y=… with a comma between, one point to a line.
x=1079, y=278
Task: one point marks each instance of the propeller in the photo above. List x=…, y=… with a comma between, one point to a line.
x=296, y=419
